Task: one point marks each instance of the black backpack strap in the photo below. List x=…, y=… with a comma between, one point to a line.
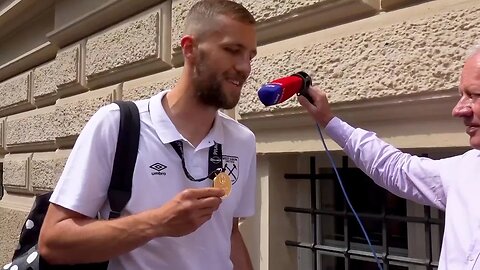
x=1, y=181
x=120, y=189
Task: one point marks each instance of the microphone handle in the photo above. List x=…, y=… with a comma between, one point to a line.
x=307, y=82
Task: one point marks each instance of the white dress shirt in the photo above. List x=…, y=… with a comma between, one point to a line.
x=450, y=184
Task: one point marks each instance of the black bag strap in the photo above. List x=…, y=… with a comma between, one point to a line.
x=120, y=189
x=1, y=181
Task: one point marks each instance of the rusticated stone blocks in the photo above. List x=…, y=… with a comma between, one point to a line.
x=31, y=131
x=46, y=169
x=128, y=50
x=401, y=59
x=148, y=86
x=71, y=70
x=16, y=172
x=74, y=112
x=16, y=94
x=280, y=19
x=44, y=88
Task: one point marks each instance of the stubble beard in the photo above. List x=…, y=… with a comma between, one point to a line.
x=208, y=87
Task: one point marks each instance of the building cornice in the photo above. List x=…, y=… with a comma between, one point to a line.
x=40, y=54
x=411, y=121
x=100, y=18
x=18, y=12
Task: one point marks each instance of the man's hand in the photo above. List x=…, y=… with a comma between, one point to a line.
x=320, y=110
x=187, y=211
x=87, y=240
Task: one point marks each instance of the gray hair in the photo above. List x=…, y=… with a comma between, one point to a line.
x=474, y=50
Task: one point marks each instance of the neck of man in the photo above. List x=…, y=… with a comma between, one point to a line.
x=192, y=118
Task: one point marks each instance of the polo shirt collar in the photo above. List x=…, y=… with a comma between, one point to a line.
x=166, y=130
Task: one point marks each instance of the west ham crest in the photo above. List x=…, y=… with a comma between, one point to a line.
x=231, y=167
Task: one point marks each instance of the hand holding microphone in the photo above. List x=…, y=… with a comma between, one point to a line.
x=319, y=109
x=311, y=98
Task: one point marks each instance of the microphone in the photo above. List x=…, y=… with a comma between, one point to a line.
x=282, y=89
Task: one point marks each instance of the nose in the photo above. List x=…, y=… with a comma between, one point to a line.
x=463, y=108
x=244, y=65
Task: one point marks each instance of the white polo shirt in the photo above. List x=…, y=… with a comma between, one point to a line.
x=158, y=177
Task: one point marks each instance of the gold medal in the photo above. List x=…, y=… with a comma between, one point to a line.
x=222, y=180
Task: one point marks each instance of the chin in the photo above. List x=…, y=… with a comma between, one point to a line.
x=229, y=106
x=475, y=142
x=231, y=102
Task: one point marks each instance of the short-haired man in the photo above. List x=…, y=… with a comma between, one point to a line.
x=173, y=220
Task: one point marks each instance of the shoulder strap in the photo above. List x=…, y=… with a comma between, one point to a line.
x=1, y=181
x=120, y=189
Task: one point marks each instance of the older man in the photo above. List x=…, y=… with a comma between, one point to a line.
x=451, y=184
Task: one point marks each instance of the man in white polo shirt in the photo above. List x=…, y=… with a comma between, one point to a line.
x=175, y=219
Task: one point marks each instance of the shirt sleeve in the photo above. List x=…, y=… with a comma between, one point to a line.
x=83, y=185
x=411, y=177
x=246, y=206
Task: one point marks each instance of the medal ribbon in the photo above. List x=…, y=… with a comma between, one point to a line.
x=215, y=160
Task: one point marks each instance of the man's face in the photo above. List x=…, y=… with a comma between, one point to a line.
x=468, y=107
x=222, y=63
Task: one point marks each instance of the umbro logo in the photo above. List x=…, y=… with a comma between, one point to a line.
x=158, y=167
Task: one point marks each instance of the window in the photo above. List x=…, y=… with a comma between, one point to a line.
x=337, y=241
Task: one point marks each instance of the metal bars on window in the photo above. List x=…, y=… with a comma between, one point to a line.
x=346, y=249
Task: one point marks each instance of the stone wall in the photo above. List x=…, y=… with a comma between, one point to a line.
x=356, y=50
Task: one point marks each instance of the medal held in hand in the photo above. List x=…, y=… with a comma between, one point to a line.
x=222, y=180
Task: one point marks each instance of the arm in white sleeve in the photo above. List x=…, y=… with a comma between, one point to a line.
x=404, y=175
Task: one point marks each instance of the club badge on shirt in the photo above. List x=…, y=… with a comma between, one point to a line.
x=231, y=166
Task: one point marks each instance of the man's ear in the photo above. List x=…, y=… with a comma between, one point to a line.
x=188, y=48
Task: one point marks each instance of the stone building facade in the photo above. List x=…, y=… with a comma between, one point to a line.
x=391, y=66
